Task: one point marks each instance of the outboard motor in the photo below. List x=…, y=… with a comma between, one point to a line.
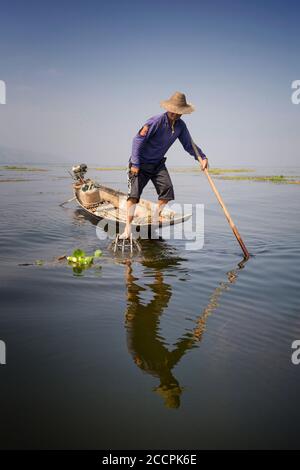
x=87, y=190
x=79, y=171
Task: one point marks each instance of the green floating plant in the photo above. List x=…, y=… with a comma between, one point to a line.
x=80, y=261
x=39, y=262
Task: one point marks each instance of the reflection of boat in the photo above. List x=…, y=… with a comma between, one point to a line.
x=107, y=203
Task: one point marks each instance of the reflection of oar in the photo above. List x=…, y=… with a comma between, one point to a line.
x=69, y=200
x=214, y=299
x=229, y=219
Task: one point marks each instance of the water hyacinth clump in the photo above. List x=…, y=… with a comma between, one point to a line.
x=79, y=261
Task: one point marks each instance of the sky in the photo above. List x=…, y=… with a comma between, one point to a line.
x=82, y=77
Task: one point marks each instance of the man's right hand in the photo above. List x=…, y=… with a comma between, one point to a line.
x=134, y=170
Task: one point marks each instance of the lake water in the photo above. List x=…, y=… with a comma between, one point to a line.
x=170, y=349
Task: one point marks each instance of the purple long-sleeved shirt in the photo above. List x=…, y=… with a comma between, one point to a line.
x=152, y=147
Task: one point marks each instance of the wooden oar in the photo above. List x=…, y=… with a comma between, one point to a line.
x=229, y=219
x=69, y=200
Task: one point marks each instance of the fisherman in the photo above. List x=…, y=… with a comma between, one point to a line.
x=147, y=161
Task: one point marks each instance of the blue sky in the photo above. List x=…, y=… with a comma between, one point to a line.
x=83, y=76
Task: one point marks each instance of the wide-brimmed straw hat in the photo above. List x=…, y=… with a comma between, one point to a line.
x=177, y=104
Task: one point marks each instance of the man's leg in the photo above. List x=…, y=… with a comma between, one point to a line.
x=164, y=189
x=131, y=205
x=136, y=184
x=159, y=208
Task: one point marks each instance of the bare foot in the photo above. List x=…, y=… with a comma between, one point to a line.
x=126, y=234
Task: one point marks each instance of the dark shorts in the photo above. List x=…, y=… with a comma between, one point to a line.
x=159, y=176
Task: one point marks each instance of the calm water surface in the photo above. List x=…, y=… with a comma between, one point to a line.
x=170, y=349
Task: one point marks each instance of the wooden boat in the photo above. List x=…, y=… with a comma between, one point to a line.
x=106, y=203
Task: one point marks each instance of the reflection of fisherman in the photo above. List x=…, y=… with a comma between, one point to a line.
x=144, y=341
